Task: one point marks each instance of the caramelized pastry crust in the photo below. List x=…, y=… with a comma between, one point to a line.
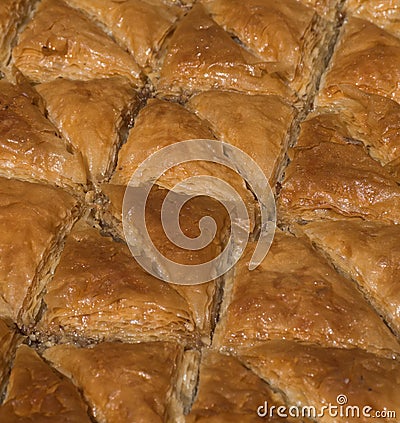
x=368, y=252
x=366, y=57
x=326, y=8
x=221, y=399
x=258, y=125
x=372, y=119
x=99, y=291
x=30, y=147
x=189, y=216
x=201, y=55
x=37, y=393
x=158, y=125
x=295, y=294
x=122, y=382
x=8, y=341
x=161, y=124
x=33, y=221
x=316, y=376
x=12, y=12
x=282, y=33
x=200, y=297
x=91, y=115
x=384, y=13
x=90, y=92
x=62, y=42
x=140, y=26
x=332, y=176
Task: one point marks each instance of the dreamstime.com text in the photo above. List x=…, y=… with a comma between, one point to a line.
x=340, y=409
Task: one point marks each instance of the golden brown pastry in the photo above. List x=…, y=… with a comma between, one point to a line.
x=258, y=125
x=122, y=382
x=384, y=13
x=140, y=26
x=229, y=392
x=294, y=294
x=160, y=124
x=366, y=57
x=326, y=8
x=202, y=298
x=99, y=291
x=200, y=56
x=91, y=115
x=37, y=393
x=12, y=13
x=30, y=147
x=33, y=221
x=189, y=216
x=314, y=376
x=62, y=42
x=332, y=176
x=372, y=119
x=8, y=341
x=286, y=34
x=369, y=253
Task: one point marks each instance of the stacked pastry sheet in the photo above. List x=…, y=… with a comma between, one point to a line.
x=89, y=90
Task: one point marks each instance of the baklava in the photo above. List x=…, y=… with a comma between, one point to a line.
x=123, y=382
x=138, y=26
x=295, y=295
x=368, y=252
x=218, y=398
x=30, y=146
x=383, y=13
x=93, y=117
x=90, y=90
x=332, y=176
x=12, y=13
x=100, y=292
x=200, y=56
x=34, y=220
x=36, y=392
x=60, y=41
x=320, y=377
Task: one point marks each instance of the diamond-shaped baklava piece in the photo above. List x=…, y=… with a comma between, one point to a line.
x=99, y=291
x=366, y=57
x=33, y=222
x=286, y=34
x=258, y=125
x=369, y=252
x=200, y=56
x=62, y=42
x=203, y=298
x=93, y=116
x=140, y=26
x=220, y=398
x=315, y=377
x=295, y=294
x=37, y=393
x=30, y=147
x=332, y=176
x=123, y=382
